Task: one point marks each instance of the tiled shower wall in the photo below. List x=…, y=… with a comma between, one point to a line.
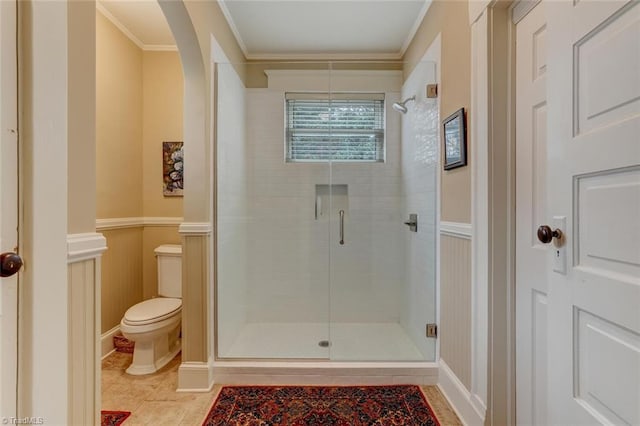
x=298, y=271
x=233, y=169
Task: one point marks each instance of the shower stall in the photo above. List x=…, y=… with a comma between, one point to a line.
x=326, y=211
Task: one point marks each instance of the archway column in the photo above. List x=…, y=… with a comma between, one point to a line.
x=196, y=371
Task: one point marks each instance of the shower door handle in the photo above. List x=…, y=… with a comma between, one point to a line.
x=341, y=227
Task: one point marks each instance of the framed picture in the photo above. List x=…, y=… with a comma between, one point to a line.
x=172, y=168
x=455, y=140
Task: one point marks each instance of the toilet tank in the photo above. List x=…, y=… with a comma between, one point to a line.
x=169, y=259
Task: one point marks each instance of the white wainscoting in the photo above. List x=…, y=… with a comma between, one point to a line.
x=84, y=253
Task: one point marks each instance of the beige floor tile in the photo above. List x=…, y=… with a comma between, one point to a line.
x=159, y=413
x=152, y=399
x=441, y=407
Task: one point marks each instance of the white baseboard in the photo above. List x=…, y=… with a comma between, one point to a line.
x=195, y=377
x=459, y=397
x=106, y=341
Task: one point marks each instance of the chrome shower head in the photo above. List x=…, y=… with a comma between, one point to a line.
x=400, y=106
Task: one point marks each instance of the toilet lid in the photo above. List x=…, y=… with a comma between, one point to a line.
x=152, y=310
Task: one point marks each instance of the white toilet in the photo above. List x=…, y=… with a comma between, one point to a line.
x=154, y=325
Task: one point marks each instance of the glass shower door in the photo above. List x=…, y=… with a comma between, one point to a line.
x=382, y=274
x=272, y=215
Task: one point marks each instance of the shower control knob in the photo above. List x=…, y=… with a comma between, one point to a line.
x=10, y=264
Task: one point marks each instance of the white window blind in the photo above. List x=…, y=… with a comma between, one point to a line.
x=342, y=127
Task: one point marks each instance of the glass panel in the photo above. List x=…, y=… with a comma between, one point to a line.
x=272, y=216
x=286, y=288
x=382, y=274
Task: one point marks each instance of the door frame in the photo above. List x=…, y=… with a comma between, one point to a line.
x=493, y=207
x=10, y=194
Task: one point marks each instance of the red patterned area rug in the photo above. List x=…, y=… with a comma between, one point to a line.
x=321, y=405
x=113, y=418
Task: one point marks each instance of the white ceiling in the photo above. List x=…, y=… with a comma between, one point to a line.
x=290, y=29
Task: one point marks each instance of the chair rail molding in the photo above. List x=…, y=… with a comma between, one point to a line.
x=136, y=222
x=195, y=228
x=456, y=229
x=85, y=246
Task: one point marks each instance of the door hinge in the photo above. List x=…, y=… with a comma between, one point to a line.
x=432, y=91
x=432, y=330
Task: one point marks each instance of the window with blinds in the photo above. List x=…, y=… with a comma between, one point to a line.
x=339, y=127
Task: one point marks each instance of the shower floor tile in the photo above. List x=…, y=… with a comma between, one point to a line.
x=348, y=342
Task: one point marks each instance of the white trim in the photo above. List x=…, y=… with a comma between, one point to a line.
x=324, y=373
x=479, y=208
x=119, y=25
x=195, y=377
x=415, y=27
x=85, y=246
x=162, y=221
x=160, y=48
x=195, y=228
x=476, y=9
x=334, y=73
x=521, y=8
x=106, y=341
x=136, y=222
x=234, y=29
x=324, y=56
x=456, y=229
x=458, y=396
x=119, y=223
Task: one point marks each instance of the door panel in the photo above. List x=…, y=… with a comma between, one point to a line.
x=594, y=182
x=531, y=166
x=9, y=206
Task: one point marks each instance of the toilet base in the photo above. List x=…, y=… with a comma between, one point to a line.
x=150, y=356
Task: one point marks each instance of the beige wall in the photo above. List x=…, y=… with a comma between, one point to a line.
x=118, y=123
x=138, y=106
x=81, y=119
x=162, y=92
x=451, y=19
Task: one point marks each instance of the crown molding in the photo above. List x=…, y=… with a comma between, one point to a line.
x=119, y=25
x=416, y=26
x=232, y=25
x=324, y=56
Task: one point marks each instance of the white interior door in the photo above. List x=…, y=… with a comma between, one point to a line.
x=8, y=207
x=531, y=272
x=593, y=96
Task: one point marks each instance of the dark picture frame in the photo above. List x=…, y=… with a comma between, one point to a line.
x=455, y=140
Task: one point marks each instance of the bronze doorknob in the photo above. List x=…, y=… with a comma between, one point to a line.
x=546, y=235
x=10, y=264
